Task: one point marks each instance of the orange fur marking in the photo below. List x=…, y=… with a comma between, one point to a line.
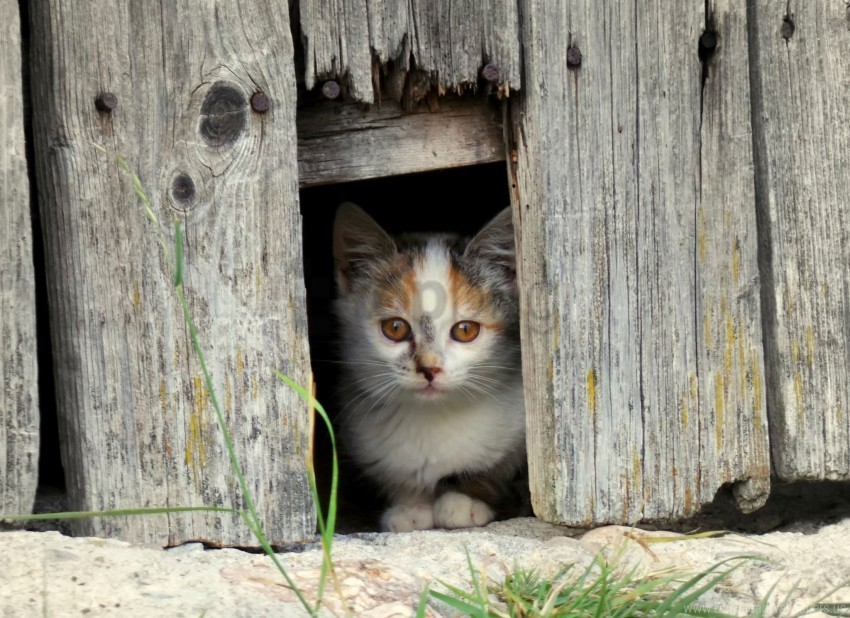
x=464, y=293
x=396, y=289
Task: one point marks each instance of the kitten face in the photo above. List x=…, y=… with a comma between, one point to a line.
x=426, y=317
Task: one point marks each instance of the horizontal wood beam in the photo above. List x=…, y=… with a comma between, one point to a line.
x=340, y=142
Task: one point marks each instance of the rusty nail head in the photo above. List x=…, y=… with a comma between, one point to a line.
x=260, y=102
x=330, y=89
x=106, y=102
x=708, y=40
x=573, y=57
x=491, y=73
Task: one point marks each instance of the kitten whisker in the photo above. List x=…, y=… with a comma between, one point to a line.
x=365, y=394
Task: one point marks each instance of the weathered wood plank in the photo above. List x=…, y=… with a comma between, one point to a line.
x=642, y=335
x=19, y=420
x=344, y=142
x=801, y=121
x=449, y=39
x=137, y=426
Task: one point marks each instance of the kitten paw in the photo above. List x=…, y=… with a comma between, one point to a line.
x=456, y=510
x=407, y=518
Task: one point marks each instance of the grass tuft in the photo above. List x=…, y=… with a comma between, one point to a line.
x=600, y=590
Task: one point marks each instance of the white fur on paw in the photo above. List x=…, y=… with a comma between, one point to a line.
x=455, y=510
x=406, y=518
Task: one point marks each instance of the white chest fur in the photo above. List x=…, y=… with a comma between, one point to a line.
x=410, y=446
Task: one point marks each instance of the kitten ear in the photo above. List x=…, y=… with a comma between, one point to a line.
x=358, y=241
x=494, y=244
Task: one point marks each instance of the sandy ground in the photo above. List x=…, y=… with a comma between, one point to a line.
x=382, y=575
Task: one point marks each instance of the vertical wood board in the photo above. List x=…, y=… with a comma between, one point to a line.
x=19, y=421
x=451, y=40
x=642, y=333
x=136, y=421
x=801, y=122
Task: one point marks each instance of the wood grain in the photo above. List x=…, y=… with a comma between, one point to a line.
x=19, y=420
x=634, y=198
x=801, y=122
x=344, y=142
x=136, y=423
x=450, y=40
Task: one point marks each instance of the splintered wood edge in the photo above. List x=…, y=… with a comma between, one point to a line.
x=343, y=142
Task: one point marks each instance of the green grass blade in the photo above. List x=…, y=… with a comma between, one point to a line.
x=251, y=517
x=460, y=605
x=330, y=524
x=326, y=526
x=178, y=254
x=423, y=602
x=687, y=593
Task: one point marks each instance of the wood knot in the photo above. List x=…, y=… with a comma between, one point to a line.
x=788, y=27
x=223, y=114
x=183, y=188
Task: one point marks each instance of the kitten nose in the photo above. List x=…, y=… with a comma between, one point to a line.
x=428, y=372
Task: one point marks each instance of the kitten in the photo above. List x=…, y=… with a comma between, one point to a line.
x=433, y=404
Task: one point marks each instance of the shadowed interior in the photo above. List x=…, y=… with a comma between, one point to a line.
x=458, y=200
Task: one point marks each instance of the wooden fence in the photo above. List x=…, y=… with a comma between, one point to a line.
x=679, y=182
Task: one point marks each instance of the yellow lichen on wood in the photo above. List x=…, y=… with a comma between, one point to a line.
x=683, y=412
x=137, y=297
x=790, y=303
x=228, y=393
x=718, y=411
x=591, y=392
x=729, y=348
x=757, y=386
x=798, y=394
x=742, y=360
x=163, y=397
x=196, y=446
x=707, y=323
x=240, y=363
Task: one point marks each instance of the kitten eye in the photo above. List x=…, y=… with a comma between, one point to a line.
x=396, y=329
x=465, y=331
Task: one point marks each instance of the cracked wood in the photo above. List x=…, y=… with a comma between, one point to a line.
x=19, y=421
x=801, y=121
x=137, y=425
x=642, y=342
x=449, y=40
